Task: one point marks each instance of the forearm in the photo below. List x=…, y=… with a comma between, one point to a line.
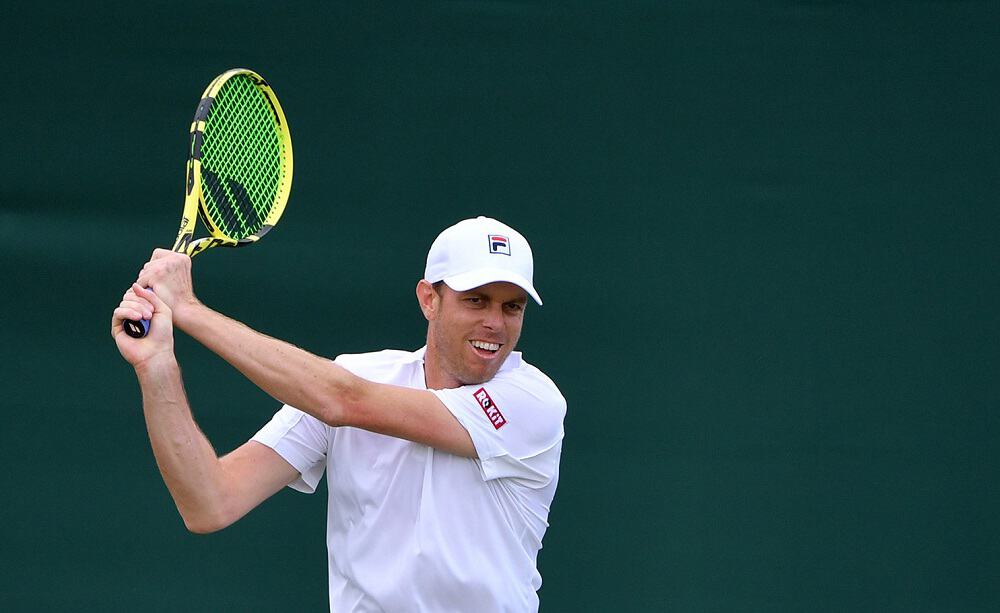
x=288, y=373
x=187, y=461
x=323, y=389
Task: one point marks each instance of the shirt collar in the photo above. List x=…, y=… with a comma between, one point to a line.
x=512, y=361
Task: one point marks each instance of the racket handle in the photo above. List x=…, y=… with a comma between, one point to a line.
x=136, y=328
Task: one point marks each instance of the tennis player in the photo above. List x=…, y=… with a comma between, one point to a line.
x=441, y=463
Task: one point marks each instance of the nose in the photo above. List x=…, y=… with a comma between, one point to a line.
x=493, y=317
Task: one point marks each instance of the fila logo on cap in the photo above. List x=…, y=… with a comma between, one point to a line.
x=490, y=408
x=499, y=244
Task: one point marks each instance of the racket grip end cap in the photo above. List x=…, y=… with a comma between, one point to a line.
x=136, y=329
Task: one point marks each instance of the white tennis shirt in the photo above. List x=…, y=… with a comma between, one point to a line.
x=411, y=528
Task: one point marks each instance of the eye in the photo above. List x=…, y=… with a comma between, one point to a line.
x=514, y=307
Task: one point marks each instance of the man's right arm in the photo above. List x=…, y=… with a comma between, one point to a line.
x=210, y=492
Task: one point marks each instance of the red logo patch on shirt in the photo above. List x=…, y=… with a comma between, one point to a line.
x=490, y=408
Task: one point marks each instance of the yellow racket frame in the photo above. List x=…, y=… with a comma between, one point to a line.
x=194, y=199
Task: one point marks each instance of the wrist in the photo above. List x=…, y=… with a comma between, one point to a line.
x=184, y=311
x=157, y=363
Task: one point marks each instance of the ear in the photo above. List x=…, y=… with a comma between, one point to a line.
x=428, y=299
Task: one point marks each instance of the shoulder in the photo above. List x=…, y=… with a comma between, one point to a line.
x=528, y=400
x=377, y=364
x=530, y=383
x=517, y=414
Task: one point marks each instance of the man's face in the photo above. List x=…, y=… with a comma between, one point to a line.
x=470, y=333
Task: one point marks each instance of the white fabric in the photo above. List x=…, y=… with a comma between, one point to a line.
x=411, y=528
x=478, y=251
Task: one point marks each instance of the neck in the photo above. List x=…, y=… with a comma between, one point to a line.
x=435, y=375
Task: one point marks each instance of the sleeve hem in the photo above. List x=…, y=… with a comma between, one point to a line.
x=309, y=477
x=485, y=450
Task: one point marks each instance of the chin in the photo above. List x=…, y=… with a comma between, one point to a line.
x=474, y=379
x=470, y=377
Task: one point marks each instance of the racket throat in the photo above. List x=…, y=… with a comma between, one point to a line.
x=193, y=248
x=183, y=242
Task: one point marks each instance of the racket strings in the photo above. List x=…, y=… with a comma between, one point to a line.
x=242, y=155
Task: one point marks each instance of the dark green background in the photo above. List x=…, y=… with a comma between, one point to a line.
x=766, y=235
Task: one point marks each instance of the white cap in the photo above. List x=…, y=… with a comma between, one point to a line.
x=478, y=251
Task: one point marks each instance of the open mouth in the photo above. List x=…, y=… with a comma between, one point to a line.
x=485, y=349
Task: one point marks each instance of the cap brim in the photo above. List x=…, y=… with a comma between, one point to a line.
x=476, y=278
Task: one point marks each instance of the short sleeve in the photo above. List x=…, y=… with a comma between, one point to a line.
x=302, y=440
x=515, y=421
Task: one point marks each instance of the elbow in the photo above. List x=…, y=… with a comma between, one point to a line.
x=195, y=527
x=343, y=398
x=205, y=522
x=202, y=526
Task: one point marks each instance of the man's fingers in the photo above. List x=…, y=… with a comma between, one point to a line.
x=150, y=296
x=130, y=295
x=131, y=299
x=152, y=272
x=160, y=254
x=128, y=312
x=140, y=306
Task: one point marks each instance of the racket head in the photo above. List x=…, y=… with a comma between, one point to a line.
x=240, y=163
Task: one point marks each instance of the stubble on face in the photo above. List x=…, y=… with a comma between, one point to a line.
x=474, y=332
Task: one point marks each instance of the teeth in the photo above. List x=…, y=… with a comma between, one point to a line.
x=484, y=345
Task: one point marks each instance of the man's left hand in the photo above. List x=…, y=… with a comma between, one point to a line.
x=168, y=273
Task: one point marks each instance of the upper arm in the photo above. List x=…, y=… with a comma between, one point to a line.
x=253, y=473
x=411, y=414
x=468, y=421
x=516, y=423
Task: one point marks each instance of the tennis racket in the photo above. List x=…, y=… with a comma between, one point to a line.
x=239, y=168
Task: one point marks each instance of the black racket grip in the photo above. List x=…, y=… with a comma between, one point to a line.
x=136, y=329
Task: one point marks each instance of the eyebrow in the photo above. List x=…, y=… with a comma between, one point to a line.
x=471, y=292
x=522, y=301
